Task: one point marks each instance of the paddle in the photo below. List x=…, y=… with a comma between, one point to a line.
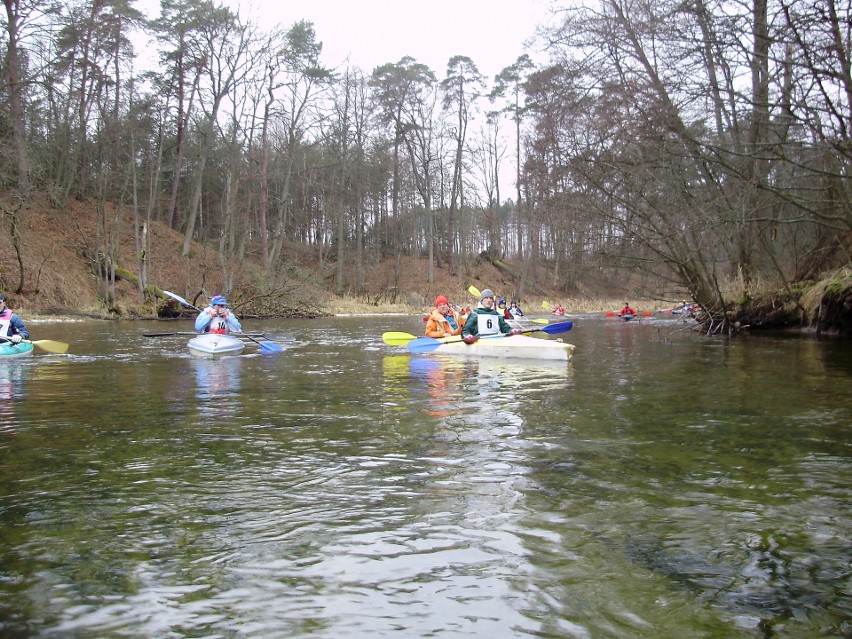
x=48, y=345
x=474, y=291
x=270, y=347
x=429, y=344
x=395, y=338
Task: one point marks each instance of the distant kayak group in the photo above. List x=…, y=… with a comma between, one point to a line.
x=490, y=329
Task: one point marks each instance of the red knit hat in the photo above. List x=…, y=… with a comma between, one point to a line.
x=441, y=300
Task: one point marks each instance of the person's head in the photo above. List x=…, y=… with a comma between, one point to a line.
x=501, y=303
x=2, y=301
x=626, y=304
x=442, y=304
x=219, y=303
x=513, y=304
x=486, y=299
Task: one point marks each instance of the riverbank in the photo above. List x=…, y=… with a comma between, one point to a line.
x=56, y=263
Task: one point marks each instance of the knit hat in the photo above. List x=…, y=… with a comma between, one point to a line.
x=218, y=299
x=486, y=293
x=2, y=297
x=441, y=300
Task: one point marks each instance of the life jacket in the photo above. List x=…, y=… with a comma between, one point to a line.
x=439, y=325
x=219, y=326
x=487, y=323
x=5, y=321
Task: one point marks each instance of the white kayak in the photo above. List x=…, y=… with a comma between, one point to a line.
x=514, y=346
x=209, y=345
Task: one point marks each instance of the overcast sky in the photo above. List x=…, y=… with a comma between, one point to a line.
x=372, y=32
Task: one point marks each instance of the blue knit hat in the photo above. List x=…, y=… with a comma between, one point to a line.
x=218, y=299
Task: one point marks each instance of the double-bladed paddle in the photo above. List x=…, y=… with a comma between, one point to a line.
x=48, y=345
x=429, y=344
x=395, y=338
x=269, y=347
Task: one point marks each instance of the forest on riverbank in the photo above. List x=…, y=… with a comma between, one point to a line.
x=666, y=152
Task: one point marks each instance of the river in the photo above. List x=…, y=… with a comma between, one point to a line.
x=662, y=484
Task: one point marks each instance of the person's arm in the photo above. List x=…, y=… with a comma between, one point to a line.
x=471, y=326
x=233, y=322
x=505, y=327
x=203, y=320
x=433, y=328
x=19, y=326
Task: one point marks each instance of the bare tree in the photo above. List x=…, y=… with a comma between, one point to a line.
x=462, y=86
x=227, y=41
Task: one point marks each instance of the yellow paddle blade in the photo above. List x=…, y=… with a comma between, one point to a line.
x=540, y=320
x=474, y=291
x=394, y=338
x=49, y=345
x=546, y=304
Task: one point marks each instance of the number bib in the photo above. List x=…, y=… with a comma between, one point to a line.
x=487, y=324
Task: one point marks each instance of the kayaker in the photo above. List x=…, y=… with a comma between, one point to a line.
x=443, y=320
x=217, y=319
x=515, y=310
x=626, y=310
x=11, y=325
x=501, y=308
x=558, y=310
x=486, y=320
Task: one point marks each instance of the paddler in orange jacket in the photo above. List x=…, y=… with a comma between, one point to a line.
x=443, y=320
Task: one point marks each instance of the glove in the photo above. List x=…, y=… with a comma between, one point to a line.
x=470, y=339
x=515, y=331
x=16, y=338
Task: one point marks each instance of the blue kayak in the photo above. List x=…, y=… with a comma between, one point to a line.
x=8, y=349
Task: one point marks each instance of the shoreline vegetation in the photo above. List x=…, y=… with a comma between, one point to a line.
x=355, y=307
x=49, y=276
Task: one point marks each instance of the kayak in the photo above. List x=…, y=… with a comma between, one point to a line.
x=627, y=317
x=514, y=347
x=8, y=349
x=209, y=345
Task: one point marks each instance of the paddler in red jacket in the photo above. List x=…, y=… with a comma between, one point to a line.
x=443, y=320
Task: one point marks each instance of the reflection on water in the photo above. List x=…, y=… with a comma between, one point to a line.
x=678, y=488
x=218, y=385
x=12, y=379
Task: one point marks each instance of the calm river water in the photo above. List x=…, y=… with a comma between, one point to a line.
x=661, y=484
